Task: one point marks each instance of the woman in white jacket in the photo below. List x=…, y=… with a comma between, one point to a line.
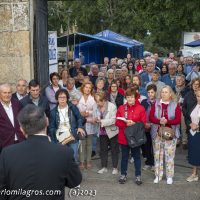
x=107, y=132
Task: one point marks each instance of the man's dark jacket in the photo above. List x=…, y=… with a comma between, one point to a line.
x=7, y=130
x=38, y=164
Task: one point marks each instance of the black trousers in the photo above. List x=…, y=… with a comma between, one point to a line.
x=147, y=150
x=113, y=143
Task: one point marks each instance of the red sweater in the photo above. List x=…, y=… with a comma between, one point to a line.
x=135, y=112
x=175, y=121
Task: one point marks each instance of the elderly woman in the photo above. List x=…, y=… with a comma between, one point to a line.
x=166, y=112
x=100, y=85
x=194, y=138
x=87, y=106
x=51, y=90
x=110, y=76
x=133, y=113
x=107, y=132
x=66, y=116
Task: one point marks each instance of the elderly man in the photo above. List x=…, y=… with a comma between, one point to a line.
x=21, y=89
x=170, y=78
x=94, y=73
x=147, y=76
x=10, y=132
x=77, y=67
x=36, y=168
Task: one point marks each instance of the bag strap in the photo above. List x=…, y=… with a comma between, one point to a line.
x=126, y=112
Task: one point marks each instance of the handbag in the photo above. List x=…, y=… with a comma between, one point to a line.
x=64, y=136
x=166, y=133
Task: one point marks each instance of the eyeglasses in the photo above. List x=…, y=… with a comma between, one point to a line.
x=62, y=97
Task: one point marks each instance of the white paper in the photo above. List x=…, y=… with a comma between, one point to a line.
x=192, y=132
x=122, y=118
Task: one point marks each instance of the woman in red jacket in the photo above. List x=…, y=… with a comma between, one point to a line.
x=133, y=112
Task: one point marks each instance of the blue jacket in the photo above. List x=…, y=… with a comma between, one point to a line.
x=75, y=118
x=167, y=80
x=145, y=79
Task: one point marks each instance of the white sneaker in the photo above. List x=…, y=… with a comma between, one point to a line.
x=157, y=179
x=192, y=178
x=115, y=171
x=169, y=181
x=103, y=170
x=132, y=160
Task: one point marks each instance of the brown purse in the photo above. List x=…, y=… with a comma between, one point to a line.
x=166, y=133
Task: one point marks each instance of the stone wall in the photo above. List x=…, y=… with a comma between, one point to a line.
x=15, y=45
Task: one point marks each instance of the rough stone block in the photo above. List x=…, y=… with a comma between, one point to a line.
x=6, y=22
x=21, y=16
x=14, y=43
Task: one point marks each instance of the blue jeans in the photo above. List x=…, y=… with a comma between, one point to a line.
x=94, y=142
x=74, y=146
x=135, y=153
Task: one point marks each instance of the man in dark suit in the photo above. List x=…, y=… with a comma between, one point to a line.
x=37, y=164
x=9, y=127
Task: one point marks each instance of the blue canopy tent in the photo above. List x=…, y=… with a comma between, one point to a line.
x=103, y=44
x=109, y=44
x=195, y=43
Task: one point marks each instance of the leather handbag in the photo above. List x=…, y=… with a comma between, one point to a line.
x=166, y=133
x=64, y=136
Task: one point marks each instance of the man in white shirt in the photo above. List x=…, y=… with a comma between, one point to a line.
x=10, y=132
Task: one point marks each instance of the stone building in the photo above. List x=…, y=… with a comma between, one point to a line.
x=23, y=40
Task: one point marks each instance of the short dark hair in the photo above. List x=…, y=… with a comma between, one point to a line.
x=152, y=87
x=54, y=74
x=32, y=119
x=33, y=83
x=62, y=91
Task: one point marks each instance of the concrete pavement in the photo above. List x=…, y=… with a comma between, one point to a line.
x=107, y=186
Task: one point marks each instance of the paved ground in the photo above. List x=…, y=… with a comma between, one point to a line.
x=108, y=188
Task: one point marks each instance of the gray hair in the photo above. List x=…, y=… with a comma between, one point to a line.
x=100, y=79
x=32, y=119
x=172, y=64
x=5, y=85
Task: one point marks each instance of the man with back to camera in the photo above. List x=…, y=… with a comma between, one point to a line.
x=37, y=164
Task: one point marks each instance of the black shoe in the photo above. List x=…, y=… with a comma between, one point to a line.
x=122, y=179
x=138, y=180
x=93, y=154
x=184, y=146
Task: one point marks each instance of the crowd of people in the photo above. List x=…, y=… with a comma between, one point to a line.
x=99, y=104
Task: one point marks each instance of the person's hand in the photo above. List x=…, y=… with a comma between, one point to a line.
x=85, y=114
x=163, y=121
x=81, y=131
x=194, y=126
x=95, y=120
x=130, y=122
x=148, y=125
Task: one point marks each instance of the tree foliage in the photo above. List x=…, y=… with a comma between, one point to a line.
x=165, y=19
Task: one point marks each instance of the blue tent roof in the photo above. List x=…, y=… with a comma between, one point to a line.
x=195, y=43
x=105, y=36
x=110, y=35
